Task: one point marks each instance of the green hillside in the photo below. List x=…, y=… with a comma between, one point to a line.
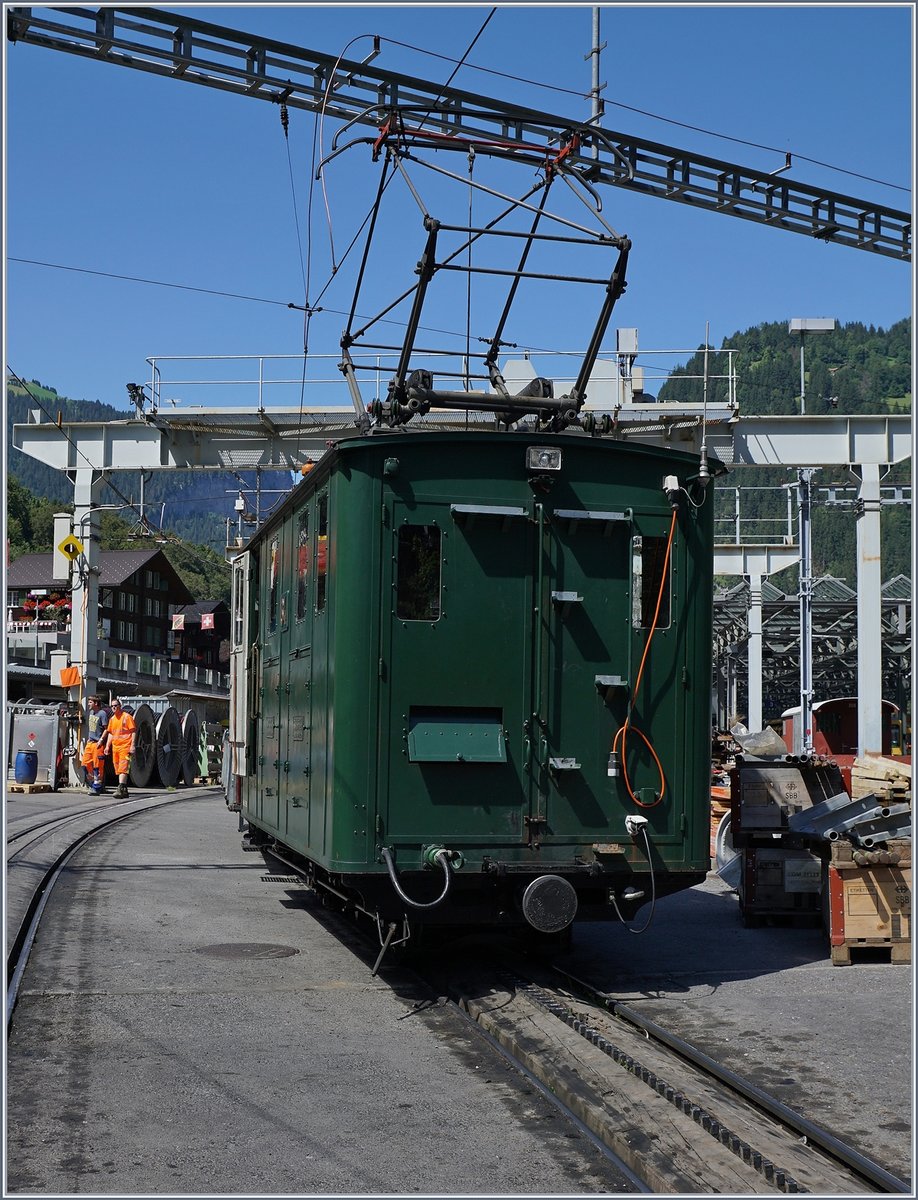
x=858, y=369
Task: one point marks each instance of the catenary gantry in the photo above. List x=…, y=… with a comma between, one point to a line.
x=176, y=46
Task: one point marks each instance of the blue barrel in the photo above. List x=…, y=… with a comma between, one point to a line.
x=26, y=766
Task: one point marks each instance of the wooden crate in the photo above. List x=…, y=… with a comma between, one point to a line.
x=867, y=908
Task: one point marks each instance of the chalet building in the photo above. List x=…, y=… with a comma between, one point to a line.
x=201, y=632
x=141, y=647
x=138, y=590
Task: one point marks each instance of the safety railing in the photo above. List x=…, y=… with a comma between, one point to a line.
x=182, y=383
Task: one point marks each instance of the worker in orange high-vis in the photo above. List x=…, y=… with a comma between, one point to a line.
x=93, y=759
x=120, y=738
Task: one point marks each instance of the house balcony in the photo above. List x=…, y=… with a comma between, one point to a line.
x=30, y=643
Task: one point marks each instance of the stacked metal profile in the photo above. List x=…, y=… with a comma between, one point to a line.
x=807, y=846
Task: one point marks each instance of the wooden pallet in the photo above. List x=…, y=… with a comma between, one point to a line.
x=897, y=951
x=29, y=789
x=867, y=908
x=842, y=853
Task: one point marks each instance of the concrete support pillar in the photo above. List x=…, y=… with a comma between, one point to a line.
x=84, y=619
x=804, y=488
x=869, y=612
x=754, y=649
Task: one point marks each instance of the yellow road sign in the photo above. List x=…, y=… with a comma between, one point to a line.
x=71, y=547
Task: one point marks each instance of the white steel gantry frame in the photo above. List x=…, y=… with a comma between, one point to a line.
x=235, y=439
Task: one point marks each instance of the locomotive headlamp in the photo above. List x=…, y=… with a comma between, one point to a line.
x=543, y=458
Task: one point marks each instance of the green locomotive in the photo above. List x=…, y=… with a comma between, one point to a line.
x=471, y=678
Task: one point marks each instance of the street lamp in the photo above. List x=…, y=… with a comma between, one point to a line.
x=803, y=326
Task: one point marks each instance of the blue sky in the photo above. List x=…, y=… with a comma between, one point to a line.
x=116, y=171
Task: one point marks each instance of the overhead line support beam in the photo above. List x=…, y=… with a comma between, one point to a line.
x=166, y=43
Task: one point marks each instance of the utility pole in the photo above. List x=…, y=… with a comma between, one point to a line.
x=598, y=108
x=804, y=494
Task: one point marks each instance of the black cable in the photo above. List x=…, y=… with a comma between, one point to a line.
x=458, y=65
x=34, y=262
x=296, y=214
x=231, y=295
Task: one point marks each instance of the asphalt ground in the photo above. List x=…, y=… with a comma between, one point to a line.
x=186, y=1028
x=167, y=1041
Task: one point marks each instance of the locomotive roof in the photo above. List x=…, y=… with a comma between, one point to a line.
x=383, y=440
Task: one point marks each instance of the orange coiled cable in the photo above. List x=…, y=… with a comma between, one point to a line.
x=623, y=732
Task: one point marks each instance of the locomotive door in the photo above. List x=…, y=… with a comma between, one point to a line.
x=604, y=579
x=296, y=746
x=274, y=621
x=267, y=799
x=456, y=673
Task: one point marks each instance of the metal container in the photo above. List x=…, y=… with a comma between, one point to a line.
x=779, y=882
x=35, y=729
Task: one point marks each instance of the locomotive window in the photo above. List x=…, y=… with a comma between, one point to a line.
x=418, y=573
x=648, y=559
x=272, y=590
x=302, y=563
x=321, y=552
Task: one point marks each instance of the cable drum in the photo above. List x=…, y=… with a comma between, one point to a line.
x=191, y=747
x=727, y=858
x=143, y=760
x=169, y=747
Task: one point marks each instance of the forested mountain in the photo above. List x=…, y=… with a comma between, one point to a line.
x=860, y=368
x=856, y=369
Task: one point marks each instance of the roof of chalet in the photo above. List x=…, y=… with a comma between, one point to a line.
x=202, y=606
x=115, y=567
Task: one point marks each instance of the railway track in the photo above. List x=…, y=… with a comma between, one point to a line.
x=38, y=849
x=678, y=1120
x=673, y=1118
